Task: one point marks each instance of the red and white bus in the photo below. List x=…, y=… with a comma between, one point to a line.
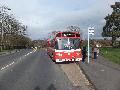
x=65, y=47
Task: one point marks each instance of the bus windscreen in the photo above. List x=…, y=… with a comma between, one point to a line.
x=67, y=43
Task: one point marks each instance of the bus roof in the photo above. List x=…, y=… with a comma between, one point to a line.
x=68, y=34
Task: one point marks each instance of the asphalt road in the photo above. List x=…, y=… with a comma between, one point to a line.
x=29, y=70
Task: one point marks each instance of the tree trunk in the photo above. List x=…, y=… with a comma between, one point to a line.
x=113, y=40
x=119, y=43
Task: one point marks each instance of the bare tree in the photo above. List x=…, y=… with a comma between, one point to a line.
x=12, y=32
x=73, y=28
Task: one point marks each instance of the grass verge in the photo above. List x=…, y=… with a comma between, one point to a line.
x=112, y=54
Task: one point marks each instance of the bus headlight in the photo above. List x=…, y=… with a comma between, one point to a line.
x=59, y=54
x=68, y=53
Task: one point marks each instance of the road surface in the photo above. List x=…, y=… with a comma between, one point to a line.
x=32, y=70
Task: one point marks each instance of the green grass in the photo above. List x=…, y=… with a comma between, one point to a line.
x=112, y=54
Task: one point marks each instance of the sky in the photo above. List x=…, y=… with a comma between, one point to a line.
x=45, y=16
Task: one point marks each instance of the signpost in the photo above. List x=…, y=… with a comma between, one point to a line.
x=90, y=32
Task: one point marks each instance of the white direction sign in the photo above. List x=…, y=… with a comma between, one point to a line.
x=91, y=30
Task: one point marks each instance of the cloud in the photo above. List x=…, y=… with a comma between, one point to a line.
x=43, y=16
x=93, y=16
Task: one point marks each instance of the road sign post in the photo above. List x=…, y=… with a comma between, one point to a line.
x=90, y=32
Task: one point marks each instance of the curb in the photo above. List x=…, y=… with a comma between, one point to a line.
x=9, y=52
x=87, y=77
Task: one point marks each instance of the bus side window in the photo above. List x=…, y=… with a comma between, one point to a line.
x=56, y=45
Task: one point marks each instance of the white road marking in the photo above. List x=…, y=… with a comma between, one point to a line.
x=14, y=62
x=2, y=68
x=7, y=65
x=102, y=70
x=30, y=53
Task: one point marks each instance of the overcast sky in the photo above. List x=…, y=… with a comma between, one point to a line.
x=43, y=16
